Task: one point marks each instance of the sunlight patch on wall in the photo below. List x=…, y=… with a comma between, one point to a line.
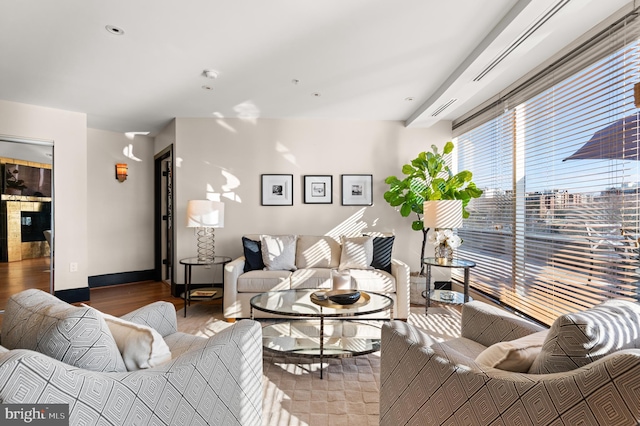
x=286, y=153
x=212, y=195
x=232, y=181
x=226, y=189
x=128, y=152
x=352, y=226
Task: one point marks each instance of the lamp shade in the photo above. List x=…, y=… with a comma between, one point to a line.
x=442, y=214
x=205, y=214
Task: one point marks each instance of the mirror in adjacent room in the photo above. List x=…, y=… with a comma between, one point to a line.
x=26, y=216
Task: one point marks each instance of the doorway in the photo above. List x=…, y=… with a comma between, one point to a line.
x=163, y=217
x=27, y=237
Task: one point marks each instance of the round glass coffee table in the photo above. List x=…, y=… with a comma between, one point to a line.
x=320, y=328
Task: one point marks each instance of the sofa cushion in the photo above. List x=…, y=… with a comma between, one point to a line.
x=140, y=346
x=373, y=280
x=357, y=253
x=382, y=250
x=311, y=278
x=252, y=254
x=75, y=335
x=279, y=252
x=514, y=355
x=580, y=338
x=317, y=252
x=261, y=281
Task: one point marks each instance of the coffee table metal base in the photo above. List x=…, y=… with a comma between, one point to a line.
x=319, y=341
x=293, y=338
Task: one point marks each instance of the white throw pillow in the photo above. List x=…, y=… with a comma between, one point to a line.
x=515, y=355
x=141, y=346
x=279, y=252
x=357, y=253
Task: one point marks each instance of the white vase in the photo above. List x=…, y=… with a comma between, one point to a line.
x=341, y=279
x=417, y=285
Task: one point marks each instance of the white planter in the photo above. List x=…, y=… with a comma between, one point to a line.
x=418, y=284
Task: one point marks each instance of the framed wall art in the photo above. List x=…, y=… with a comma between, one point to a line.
x=357, y=190
x=277, y=190
x=318, y=189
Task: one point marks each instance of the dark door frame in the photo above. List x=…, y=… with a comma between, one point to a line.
x=160, y=217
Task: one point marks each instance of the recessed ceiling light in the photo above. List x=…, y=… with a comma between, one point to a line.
x=210, y=74
x=114, y=30
x=205, y=87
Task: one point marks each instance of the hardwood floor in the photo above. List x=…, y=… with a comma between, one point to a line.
x=115, y=300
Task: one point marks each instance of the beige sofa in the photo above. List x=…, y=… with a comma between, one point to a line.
x=54, y=352
x=313, y=258
x=504, y=370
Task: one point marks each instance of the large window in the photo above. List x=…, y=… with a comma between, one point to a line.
x=557, y=227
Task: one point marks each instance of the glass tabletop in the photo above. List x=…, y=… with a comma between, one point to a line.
x=446, y=296
x=454, y=263
x=215, y=261
x=298, y=303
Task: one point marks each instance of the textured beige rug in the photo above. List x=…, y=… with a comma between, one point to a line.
x=294, y=394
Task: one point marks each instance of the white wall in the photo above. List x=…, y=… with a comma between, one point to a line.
x=68, y=131
x=165, y=138
x=225, y=158
x=120, y=215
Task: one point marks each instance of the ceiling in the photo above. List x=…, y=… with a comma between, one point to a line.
x=329, y=59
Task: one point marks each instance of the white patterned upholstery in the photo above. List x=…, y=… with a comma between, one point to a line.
x=423, y=382
x=215, y=381
x=577, y=339
x=78, y=336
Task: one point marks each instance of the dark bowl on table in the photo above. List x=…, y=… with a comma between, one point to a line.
x=344, y=297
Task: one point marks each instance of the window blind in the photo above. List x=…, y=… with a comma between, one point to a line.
x=557, y=227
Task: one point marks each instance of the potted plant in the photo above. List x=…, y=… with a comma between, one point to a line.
x=13, y=185
x=429, y=178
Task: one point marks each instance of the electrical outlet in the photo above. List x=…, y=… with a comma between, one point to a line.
x=73, y=267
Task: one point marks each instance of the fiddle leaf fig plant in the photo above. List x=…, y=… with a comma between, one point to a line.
x=428, y=177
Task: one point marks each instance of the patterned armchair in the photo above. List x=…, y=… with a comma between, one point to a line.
x=207, y=381
x=425, y=382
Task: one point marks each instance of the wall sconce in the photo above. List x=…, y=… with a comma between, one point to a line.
x=121, y=172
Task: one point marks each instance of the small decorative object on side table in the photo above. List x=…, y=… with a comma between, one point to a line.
x=445, y=296
x=208, y=293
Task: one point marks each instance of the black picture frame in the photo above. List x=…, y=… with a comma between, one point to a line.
x=276, y=190
x=318, y=189
x=357, y=190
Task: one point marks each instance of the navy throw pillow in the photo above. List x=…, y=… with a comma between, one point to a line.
x=382, y=248
x=252, y=255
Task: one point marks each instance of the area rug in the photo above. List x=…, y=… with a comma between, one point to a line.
x=294, y=394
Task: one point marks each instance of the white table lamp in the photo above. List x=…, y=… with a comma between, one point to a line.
x=205, y=216
x=442, y=214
